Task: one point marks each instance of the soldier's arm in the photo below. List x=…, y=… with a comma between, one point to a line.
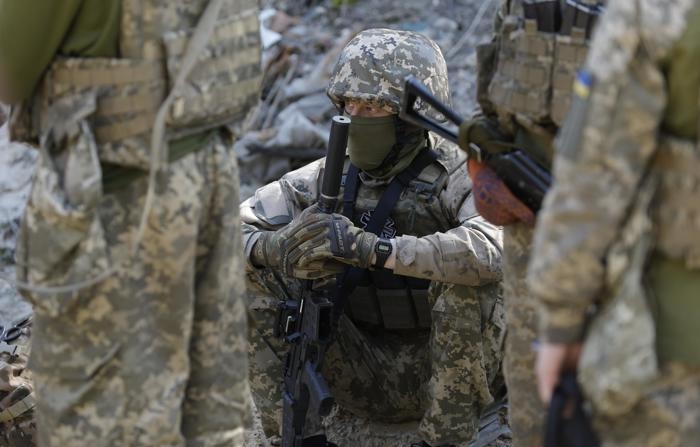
x=469, y=254
x=30, y=34
x=274, y=205
x=603, y=150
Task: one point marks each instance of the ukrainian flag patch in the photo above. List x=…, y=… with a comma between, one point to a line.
x=582, y=84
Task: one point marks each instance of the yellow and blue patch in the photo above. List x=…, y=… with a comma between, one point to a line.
x=583, y=84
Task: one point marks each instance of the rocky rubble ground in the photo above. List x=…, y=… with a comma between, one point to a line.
x=289, y=126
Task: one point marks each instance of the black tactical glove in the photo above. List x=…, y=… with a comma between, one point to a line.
x=271, y=247
x=334, y=238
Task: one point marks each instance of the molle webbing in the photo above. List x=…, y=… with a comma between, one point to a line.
x=128, y=94
x=523, y=77
x=569, y=55
x=537, y=61
x=129, y=90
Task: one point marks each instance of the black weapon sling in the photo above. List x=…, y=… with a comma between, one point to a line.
x=574, y=429
x=348, y=279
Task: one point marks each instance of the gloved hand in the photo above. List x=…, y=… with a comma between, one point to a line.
x=335, y=238
x=493, y=199
x=271, y=246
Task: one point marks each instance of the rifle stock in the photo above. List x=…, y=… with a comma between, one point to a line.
x=308, y=323
x=525, y=178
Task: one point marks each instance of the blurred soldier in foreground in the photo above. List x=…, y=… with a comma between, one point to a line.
x=622, y=218
x=409, y=347
x=136, y=283
x=524, y=88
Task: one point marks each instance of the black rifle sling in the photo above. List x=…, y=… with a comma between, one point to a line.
x=348, y=279
x=352, y=180
x=572, y=430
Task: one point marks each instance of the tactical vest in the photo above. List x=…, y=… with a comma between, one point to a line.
x=542, y=45
x=128, y=91
x=383, y=299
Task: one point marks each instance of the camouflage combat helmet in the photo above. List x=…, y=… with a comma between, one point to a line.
x=373, y=65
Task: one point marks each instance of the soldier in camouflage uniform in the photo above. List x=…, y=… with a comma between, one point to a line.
x=17, y=425
x=136, y=282
x=619, y=228
x=390, y=360
x=524, y=88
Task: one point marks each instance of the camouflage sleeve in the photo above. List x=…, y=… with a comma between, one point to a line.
x=603, y=150
x=275, y=204
x=469, y=254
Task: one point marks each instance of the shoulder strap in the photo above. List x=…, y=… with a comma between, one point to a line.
x=352, y=179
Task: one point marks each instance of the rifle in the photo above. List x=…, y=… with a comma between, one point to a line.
x=307, y=324
x=525, y=178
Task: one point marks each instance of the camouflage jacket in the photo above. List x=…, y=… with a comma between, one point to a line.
x=633, y=97
x=439, y=234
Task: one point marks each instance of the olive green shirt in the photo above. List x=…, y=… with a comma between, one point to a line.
x=33, y=32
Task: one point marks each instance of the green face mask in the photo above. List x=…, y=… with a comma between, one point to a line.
x=370, y=140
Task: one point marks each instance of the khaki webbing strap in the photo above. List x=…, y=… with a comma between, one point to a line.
x=118, y=105
x=91, y=77
x=18, y=409
x=108, y=133
x=530, y=26
x=563, y=81
x=159, y=150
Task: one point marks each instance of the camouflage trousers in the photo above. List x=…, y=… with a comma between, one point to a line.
x=526, y=413
x=154, y=355
x=443, y=377
x=667, y=415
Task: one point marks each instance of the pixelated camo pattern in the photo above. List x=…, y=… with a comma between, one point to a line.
x=444, y=380
x=156, y=353
x=373, y=65
x=581, y=221
x=383, y=375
